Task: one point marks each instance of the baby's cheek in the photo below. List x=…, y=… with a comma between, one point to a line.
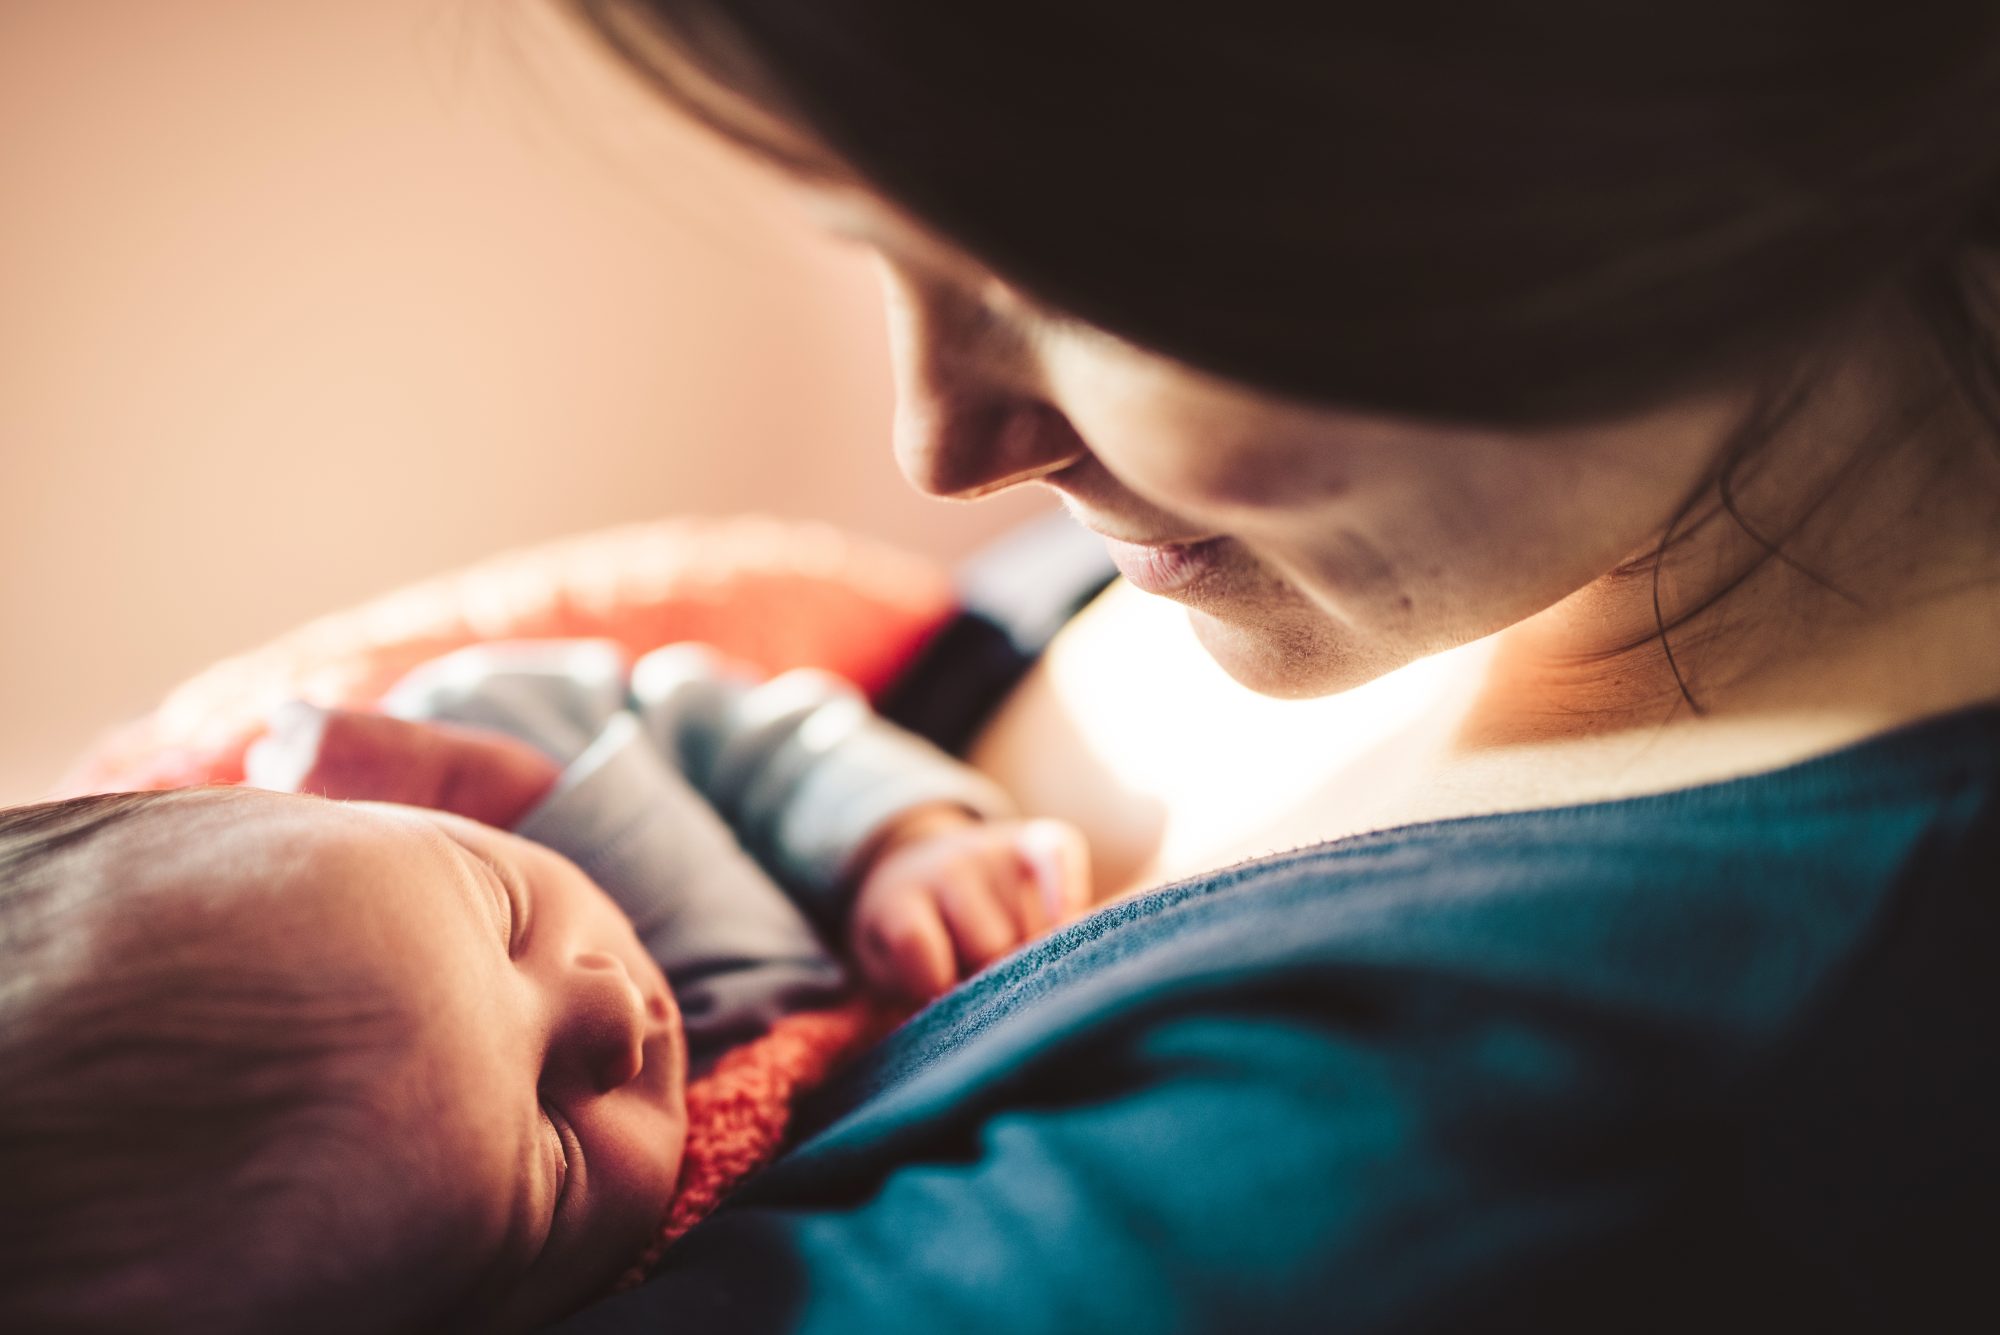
x=638, y=1181
x=408, y=1243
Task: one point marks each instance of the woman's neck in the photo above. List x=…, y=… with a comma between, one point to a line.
x=1845, y=580
x=1489, y=727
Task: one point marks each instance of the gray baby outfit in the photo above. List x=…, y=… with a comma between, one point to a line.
x=720, y=812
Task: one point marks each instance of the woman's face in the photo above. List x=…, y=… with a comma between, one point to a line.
x=1314, y=548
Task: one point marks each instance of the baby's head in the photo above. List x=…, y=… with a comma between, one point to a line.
x=273, y=1062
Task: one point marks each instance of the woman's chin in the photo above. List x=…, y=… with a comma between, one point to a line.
x=1290, y=657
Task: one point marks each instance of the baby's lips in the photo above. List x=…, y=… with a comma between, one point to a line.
x=286, y=753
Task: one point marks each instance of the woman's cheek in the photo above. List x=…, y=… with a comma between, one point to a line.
x=1223, y=480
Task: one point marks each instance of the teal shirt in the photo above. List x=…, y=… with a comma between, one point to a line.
x=1718, y=1059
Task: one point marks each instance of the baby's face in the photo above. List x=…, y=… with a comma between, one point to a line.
x=522, y=1145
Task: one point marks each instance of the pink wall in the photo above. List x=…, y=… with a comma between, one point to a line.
x=299, y=301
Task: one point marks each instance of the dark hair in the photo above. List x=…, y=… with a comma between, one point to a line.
x=146, y=1094
x=1512, y=214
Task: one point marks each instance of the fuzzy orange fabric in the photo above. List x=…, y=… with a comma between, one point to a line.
x=739, y=1113
x=775, y=594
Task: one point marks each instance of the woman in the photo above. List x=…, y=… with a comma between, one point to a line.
x=1634, y=964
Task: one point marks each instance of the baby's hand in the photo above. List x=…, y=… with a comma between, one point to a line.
x=351, y=754
x=945, y=894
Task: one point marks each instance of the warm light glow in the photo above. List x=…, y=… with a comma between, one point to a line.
x=1279, y=750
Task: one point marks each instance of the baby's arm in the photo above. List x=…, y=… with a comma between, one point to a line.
x=942, y=895
x=895, y=847
x=908, y=857
x=535, y=737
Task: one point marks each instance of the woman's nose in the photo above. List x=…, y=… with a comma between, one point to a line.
x=969, y=418
x=600, y=1030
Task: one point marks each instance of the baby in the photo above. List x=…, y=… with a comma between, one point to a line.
x=270, y=1062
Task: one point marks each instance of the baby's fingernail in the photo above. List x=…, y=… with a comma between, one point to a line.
x=281, y=759
x=1042, y=843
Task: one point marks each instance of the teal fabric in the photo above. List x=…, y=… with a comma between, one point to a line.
x=1716, y=1059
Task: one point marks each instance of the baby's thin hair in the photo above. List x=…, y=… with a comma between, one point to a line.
x=153, y=1083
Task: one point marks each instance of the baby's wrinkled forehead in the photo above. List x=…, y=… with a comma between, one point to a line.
x=217, y=837
x=218, y=883
x=299, y=911
x=246, y=858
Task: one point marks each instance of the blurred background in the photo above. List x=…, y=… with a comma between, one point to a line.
x=302, y=301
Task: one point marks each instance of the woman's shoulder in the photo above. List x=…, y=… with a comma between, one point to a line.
x=1726, y=907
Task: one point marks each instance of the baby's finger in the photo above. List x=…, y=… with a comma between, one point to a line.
x=905, y=950
x=989, y=857
x=981, y=929
x=344, y=753
x=284, y=759
x=362, y=756
x=1061, y=861
x=358, y=755
x=1022, y=898
x=1016, y=885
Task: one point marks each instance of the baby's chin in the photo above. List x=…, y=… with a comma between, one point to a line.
x=627, y=1263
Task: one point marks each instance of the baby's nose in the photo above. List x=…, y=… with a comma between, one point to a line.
x=602, y=1030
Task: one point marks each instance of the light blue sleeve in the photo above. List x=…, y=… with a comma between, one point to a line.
x=802, y=769
x=679, y=777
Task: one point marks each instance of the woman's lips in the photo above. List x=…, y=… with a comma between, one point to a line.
x=1164, y=567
